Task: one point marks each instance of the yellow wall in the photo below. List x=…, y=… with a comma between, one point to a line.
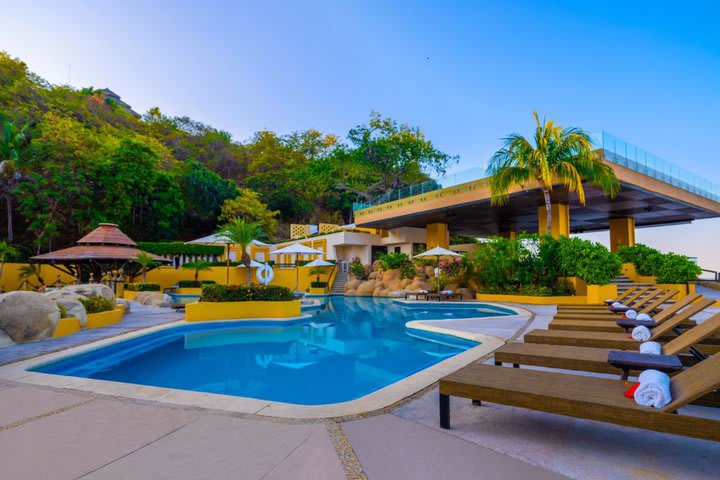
x=205, y=311
x=11, y=276
x=560, y=220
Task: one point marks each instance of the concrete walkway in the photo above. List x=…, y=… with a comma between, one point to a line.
x=63, y=434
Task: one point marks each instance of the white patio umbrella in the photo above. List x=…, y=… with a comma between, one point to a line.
x=297, y=249
x=319, y=263
x=253, y=264
x=438, y=252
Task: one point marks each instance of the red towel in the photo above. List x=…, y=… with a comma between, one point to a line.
x=630, y=392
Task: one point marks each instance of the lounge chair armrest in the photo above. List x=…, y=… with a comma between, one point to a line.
x=643, y=361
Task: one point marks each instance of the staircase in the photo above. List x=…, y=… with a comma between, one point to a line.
x=623, y=283
x=338, y=286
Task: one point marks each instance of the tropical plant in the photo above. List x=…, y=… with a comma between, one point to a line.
x=246, y=293
x=146, y=262
x=198, y=266
x=247, y=205
x=674, y=268
x=317, y=271
x=143, y=287
x=590, y=261
x=555, y=154
x=7, y=252
x=31, y=270
x=10, y=141
x=393, y=260
x=241, y=233
x=97, y=304
x=357, y=269
x=646, y=259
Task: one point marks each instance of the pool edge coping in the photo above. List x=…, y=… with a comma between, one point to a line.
x=377, y=400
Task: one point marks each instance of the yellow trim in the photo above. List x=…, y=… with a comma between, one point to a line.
x=103, y=319
x=683, y=289
x=204, y=311
x=600, y=293
x=66, y=326
x=129, y=294
x=317, y=291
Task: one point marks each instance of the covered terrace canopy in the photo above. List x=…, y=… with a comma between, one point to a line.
x=653, y=192
x=104, y=249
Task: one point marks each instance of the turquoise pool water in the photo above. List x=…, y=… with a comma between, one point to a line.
x=348, y=348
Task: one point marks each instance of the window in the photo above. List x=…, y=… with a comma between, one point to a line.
x=398, y=249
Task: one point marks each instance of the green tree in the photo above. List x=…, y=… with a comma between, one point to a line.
x=241, y=233
x=392, y=155
x=203, y=193
x=198, y=266
x=555, y=154
x=7, y=252
x=10, y=166
x=247, y=205
x=145, y=262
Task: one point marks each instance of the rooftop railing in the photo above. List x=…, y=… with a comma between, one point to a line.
x=615, y=150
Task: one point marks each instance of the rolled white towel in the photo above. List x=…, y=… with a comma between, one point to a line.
x=631, y=314
x=643, y=316
x=447, y=292
x=652, y=348
x=654, y=389
x=617, y=305
x=422, y=291
x=641, y=334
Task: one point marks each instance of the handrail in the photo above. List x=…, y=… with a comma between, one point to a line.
x=714, y=272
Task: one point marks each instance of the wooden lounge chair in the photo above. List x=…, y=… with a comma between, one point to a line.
x=618, y=324
x=621, y=341
x=585, y=397
x=417, y=294
x=640, y=305
x=635, y=295
x=596, y=359
x=620, y=298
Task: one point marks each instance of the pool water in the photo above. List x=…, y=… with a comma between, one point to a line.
x=348, y=348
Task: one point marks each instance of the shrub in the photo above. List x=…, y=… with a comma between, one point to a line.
x=318, y=284
x=357, y=269
x=188, y=284
x=243, y=293
x=589, y=261
x=408, y=271
x=181, y=248
x=394, y=260
x=143, y=287
x=97, y=304
x=207, y=282
x=674, y=268
x=643, y=257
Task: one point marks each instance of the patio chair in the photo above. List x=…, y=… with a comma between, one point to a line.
x=664, y=332
x=616, y=324
x=596, y=359
x=585, y=397
x=647, y=304
x=418, y=294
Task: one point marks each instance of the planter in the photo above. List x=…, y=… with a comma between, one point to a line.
x=66, y=326
x=597, y=294
x=533, y=299
x=103, y=319
x=188, y=291
x=129, y=294
x=318, y=291
x=683, y=289
x=205, y=311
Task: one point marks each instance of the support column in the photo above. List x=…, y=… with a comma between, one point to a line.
x=437, y=235
x=508, y=234
x=560, y=220
x=622, y=233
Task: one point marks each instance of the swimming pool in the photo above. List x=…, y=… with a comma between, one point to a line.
x=348, y=348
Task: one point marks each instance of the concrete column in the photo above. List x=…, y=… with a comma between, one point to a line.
x=437, y=235
x=622, y=233
x=560, y=220
x=508, y=234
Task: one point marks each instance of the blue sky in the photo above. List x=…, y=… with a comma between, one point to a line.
x=467, y=73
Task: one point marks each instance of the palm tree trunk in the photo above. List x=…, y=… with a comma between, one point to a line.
x=144, y=276
x=8, y=199
x=548, y=208
x=246, y=261
x=227, y=266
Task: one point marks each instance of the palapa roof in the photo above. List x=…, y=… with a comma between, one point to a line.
x=106, y=243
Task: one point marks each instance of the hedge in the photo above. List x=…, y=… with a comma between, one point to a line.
x=181, y=248
x=318, y=284
x=666, y=267
x=243, y=293
x=193, y=283
x=643, y=257
x=142, y=287
x=590, y=261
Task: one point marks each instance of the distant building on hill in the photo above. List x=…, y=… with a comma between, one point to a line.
x=114, y=97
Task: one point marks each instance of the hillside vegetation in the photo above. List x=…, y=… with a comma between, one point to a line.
x=73, y=158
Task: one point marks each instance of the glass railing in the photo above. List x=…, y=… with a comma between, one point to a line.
x=615, y=150
x=635, y=158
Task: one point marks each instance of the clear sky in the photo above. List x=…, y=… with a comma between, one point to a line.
x=467, y=73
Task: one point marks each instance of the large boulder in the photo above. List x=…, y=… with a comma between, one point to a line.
x=366, y=288
x=467, y=293
x=70, y=302
x=28, y=316
x=352, y=285
x=92, y=290
x=419, y=285
x=391, y=276
x=125, y=303
x=5, y=339
x=154, y=299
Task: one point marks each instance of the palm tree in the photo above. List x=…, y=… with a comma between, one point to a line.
x=317, y=271
x=7, y=252
x=241, y=233
x=10, y=141
x=146, y=263
x=556, y=153
x=198, y=266
x=31, y=270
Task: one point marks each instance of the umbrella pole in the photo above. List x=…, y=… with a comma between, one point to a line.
x=297, y=273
